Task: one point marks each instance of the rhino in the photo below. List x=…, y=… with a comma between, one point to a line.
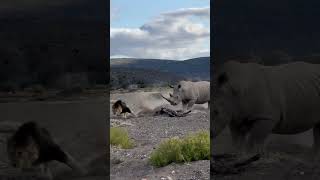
x=256, y=100
x=190, y=93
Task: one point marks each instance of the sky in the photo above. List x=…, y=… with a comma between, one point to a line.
x=166, y=29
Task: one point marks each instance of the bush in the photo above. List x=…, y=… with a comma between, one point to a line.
x=191, y=148
x=38, y=88
x=9, y=87
x=119, y=137
x=71, y=91
x=141, y=84
x=99, y=86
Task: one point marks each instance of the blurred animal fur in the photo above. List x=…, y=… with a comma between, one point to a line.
x=33, y=147
x=120, y=108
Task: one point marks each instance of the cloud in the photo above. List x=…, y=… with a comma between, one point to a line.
x=201, y=12
x=172, y=35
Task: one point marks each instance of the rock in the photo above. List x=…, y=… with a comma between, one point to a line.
x=116, y=161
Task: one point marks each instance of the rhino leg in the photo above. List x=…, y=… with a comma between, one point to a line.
x=316, y=141
x=47, y=171
x=259, y=131
x=316, y=149
x=238, y=138
x=184, y=107
x=189, y=105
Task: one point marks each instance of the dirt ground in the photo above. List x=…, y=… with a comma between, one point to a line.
x=79, y=126
x=289, y=157
x=148, y=132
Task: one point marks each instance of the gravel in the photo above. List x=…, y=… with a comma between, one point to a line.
x=148, y=132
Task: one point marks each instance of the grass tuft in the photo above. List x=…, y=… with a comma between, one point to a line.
x=191, y=148
x=119, y=137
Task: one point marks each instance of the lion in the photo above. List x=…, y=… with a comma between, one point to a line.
x=120, y=108
x=33, y=147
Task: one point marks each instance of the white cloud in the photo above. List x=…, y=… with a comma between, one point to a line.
x=201, y=12
x=172, y=35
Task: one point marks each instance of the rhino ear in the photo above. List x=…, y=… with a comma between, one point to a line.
x=222, y=78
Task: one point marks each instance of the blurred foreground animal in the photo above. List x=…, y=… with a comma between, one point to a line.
x=33, y=147
x=256, y=101
x=190, y=93
x=120, y=108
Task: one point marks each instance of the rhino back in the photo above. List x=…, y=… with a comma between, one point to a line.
x=196, y=90
x=203, y=90
x=300, y=96
x=289, y=94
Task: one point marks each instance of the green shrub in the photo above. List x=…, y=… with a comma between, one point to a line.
x=9, y=87
x=38, y=88
x=141, y=84
x=191, y=148
x=71, y=91
x=119, y=137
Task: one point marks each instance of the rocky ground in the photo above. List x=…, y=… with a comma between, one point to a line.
x=148, y=132
x=289, y=157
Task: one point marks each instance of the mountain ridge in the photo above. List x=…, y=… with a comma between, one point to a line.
x=154, y=72
x=195, y=68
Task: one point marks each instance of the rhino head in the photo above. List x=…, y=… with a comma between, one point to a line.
x=224, y=105
x=174, y=98
x=221, y=115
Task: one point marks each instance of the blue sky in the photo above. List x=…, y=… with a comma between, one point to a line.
x=169, y=29
x=133, y=13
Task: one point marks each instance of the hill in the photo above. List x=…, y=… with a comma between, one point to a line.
x=191, y=69
x=146, y=72
x=140, y=78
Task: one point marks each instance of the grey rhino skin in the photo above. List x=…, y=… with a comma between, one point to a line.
x=190, y=93
x=256, y=101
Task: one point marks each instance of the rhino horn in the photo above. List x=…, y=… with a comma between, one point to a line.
x=171, y=86
x=170, y=101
